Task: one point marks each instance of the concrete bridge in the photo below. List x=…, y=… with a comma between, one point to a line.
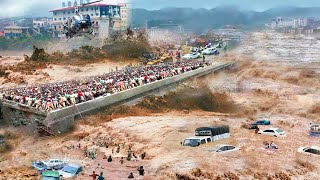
x=62, y=120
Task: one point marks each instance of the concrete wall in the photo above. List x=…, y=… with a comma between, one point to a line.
x=61, y=120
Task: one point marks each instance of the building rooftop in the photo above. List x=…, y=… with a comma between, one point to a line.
x=15, y=27
x=90, y=5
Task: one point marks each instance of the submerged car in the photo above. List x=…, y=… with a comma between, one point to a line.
x=315, y=130
x=50, y=175
x=70, y=170
x=210, y=51
x=262, y=122
x=315, y=127
x=196, y=141
x=224, y=148
x=276, y=132
x=54, y=163
x=40, y=166
x=312, y=150
x=193, y=55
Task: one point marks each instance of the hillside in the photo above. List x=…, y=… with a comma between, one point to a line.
x=201, y=20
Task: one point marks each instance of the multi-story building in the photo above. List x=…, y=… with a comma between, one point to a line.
x=125, y=11
x=42, y=23
x=290, y=23
x=15, y=31
x=106, y=17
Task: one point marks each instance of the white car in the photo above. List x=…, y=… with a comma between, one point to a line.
x=313, y=150
x=209, y=51
x=193, y=55
x=224, y=148
x=196, y=141
x=54, y=163
x=276, y=132
x=70, y=170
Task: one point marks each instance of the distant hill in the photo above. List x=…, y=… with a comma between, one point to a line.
x=201, y=20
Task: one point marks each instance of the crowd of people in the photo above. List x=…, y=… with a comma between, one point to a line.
x=48, y=97
x=131, y=157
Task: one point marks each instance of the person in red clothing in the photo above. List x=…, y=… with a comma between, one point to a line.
x=94, y=175
x=146, y=79
x=80, y=95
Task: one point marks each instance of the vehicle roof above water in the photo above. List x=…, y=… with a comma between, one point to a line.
x=49, y=173
x=214, y=148
x=221, y=145
x=53, y=160
x=312, y=147
x=210, y=128
x=73, y=165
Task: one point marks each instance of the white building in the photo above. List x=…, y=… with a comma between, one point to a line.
x=106, y=17
x=42, y=23
x=290, y=23
x=125, y=12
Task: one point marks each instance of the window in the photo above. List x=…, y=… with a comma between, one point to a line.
x=203, y=141
x=230, y=147
x=60, y=19
x=79, y=170
x=81, y=10
x=59, y=27
x=68, y=12
x=208, y=139
x=64, y=12
x=87, y=9
x=97, y=14
x=96, y=23
x=54, y=19
x=91, y=14
x=55, y=27
x=224, y=148
x=91, y=9
x=269, y=131
x=64, y=18
x=54, y=13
